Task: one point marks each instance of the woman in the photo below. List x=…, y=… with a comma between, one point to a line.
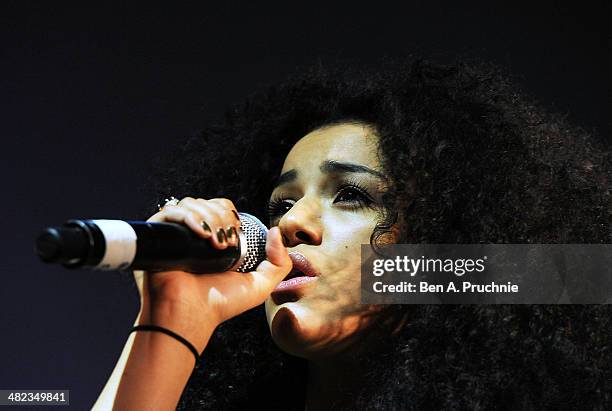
x=414, y=153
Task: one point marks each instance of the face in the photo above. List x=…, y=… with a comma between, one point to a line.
x=327, y=203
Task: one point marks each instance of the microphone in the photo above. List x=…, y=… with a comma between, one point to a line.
x=141, y=245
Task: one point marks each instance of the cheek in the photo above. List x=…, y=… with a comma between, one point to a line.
x=339, y=289
x=346, y=242
x=349, y=231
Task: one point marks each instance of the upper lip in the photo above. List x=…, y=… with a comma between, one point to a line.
x=301, y=265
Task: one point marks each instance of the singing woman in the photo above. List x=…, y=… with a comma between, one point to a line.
x=413, y=152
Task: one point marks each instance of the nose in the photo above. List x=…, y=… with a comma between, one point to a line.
x=302, y=224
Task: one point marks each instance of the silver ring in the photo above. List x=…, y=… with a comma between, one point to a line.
x=168, y=201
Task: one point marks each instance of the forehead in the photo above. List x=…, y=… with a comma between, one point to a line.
x=354, y=143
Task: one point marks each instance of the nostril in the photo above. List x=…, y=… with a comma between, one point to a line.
x=302, y=236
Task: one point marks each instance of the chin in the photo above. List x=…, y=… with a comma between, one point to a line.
x=291, y=331
x=300, y=332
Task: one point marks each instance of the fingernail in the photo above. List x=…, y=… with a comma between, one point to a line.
x=221, y=237
x=231, y=234
x=205, y=226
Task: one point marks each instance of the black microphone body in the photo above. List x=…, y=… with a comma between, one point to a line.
x=149, y=246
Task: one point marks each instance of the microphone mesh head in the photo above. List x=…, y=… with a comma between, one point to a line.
x=255, y=233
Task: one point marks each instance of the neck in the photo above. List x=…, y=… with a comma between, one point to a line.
x=332, y=383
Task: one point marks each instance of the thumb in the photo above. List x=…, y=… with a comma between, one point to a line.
x=250, y=289
x=276, y=253
x=277, y=264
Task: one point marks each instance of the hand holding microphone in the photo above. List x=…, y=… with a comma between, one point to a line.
x=191, y=236
x=220, y=296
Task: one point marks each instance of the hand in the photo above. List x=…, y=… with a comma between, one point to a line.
x=193, y=305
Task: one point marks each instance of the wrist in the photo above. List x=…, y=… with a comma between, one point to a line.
x=170, y=333
x=181, y=318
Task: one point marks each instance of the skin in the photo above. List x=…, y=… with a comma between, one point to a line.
x=327, y=222
x=325, y=210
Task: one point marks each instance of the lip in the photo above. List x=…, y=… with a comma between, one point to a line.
x=291, y=288
x=301, y=263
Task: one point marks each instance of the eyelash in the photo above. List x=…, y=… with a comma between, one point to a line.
x=364, y=199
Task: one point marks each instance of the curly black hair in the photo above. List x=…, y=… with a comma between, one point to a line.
x=472, y=159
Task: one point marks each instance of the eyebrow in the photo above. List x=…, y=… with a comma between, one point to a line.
x=330, y=167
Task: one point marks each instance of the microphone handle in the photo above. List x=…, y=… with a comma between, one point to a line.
x=134, y=245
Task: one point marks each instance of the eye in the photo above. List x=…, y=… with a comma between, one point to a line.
x=278, y=207
x=353, y=195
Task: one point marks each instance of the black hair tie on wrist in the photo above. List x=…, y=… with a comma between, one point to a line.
x=171, y=334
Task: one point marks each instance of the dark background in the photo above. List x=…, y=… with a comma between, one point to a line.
x=90, y=96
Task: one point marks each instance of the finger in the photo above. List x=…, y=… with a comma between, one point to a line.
x=227, y=214
x=223, y=202
x=191, y=218
x=211, y=217
x=226, y=210
x=159, y=217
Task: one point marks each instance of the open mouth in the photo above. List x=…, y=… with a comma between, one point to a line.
x=295, y=273
x=302, y=273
